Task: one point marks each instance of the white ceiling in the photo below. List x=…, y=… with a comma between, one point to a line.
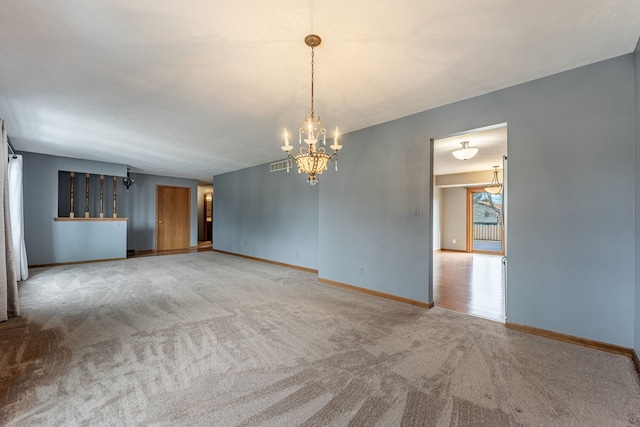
x=491, y=143
x=194, y=88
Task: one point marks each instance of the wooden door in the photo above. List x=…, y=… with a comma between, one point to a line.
x=173, y=218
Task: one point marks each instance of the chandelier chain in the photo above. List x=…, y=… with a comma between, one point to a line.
x=312, y=67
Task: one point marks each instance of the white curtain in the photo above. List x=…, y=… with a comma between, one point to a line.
x=17, y=217
x=9, y=305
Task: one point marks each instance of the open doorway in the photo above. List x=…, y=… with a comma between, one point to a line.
x=469, y=219
x=205, y=216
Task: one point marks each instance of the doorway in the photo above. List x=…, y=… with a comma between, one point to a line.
x=468, y=267
x=173, y=218
x=207, y=217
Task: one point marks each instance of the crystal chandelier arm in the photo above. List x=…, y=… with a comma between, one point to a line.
x=335, y=146
x=286, y=147
x=310, y=127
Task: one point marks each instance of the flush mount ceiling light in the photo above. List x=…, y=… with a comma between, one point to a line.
x=312, y=160
x=495, y=187
x=466, y=152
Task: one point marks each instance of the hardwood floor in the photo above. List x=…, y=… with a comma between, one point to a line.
x=203, y=246
x=469, y=283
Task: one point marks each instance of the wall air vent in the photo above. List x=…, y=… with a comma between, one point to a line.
x=279, y=166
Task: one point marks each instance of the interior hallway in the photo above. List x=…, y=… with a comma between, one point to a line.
x=469, y=283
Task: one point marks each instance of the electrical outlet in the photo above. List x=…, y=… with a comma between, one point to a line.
x=454, y=241
x=297, y=254
x=361, y=270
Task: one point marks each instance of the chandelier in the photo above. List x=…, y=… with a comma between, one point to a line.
x=495, y=187
x=128, y=181
x=312, y=159
x=465, y=152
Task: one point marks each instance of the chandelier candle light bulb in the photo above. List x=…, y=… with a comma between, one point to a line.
x=335, y=146
x=312, y=160
x=286, y=147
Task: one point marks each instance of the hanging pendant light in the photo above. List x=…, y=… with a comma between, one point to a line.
x=128, y=181
x=312, y=159
x=495, y=187
x=465, y=152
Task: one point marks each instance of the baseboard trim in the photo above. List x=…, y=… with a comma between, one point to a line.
x=584, y=342
x=75, y=262
x=376, y=293
x=268, y=261
x=331, y=282
x=145, y=252
x=154, y=252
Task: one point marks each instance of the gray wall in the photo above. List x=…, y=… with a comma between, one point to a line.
x=438, y=210
x=571, y=199
x=570, y=143
x=86, y=241
x=51, y=242
x=454, y=218
x=366, y=211
x=637, y=200
x=139, y=205
x=571, y=265
x=269, y=215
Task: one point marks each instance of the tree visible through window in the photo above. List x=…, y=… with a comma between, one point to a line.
x=486, y=221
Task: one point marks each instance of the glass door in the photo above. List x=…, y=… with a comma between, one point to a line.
x=485, y=231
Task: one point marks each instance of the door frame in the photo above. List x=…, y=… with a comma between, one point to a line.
x=430, y=238
x=470, y=192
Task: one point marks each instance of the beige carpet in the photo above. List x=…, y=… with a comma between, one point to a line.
x=212, y=339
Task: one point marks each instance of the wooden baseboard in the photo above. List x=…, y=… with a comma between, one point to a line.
x=268, y=261
x=142, y=253
x=331, y=282
x=636, y=361
x=598, y=345
x=154, y=252
x=376, y=293
x=75, y=262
